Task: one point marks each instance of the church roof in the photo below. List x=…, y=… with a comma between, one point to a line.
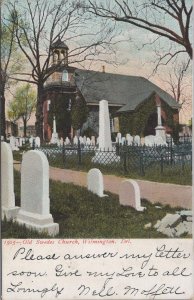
x=122, y=90
x=59, y=44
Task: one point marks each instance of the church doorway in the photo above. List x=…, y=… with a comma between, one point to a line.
x=152, y=123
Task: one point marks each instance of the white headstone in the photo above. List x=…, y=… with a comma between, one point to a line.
x=95, y=182
x=20, y=142
x=17, y=142
x=130, y=141
x=7, y=183
x=67, y=141
x=61, y=141
x=58, y=143
x=12, y=142
x=84, y=140
x=81, y=140
x=97, y=141
x=93, y=142
x=123, y=140
x=35, y=202
x=37, y=142
x=31, y=141
x=75, y=140
x=149, y=140
x=119, y=137
x=129, y=194
x=88, y=142
x=137, y=140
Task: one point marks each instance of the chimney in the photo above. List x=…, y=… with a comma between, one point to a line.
x=103, y=69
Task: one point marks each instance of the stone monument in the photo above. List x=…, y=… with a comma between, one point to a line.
x=104, y=154
x=54, y=138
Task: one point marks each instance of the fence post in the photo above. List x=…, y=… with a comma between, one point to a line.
x=182, y=162
x=141, y=164
x=171, y=152
x=161, y=164
x=117, y=149
x=125, y=159
x=79, y=152
x=63, y=153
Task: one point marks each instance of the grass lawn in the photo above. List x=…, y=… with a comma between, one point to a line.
x=81, y=214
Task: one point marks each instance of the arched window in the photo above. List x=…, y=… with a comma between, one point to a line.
x=65, y=76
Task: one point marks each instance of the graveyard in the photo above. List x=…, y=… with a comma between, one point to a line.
x=36, y=206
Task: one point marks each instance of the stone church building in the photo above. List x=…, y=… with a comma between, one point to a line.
x=134, y=101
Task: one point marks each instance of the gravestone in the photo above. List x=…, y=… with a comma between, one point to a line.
x=129, y=194
x=129, y=139
x=35, y=202
x=93, y=142
x=7, y=183
x=58, y=143
x=20, y=142
x=31, y=141
x=13, y=143
x=88, y=142
x=95, y=182
x=17, y=142
x=119, y=137
x=149, y=140
x=75, y=140
x=67, y=141
x=37, y=142
x=61, y=141
x=81, y=140
x=137, y=140
x=123, y=140
x=84, y=140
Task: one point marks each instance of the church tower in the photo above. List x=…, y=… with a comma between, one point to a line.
x=59, y=92
x=59, y=53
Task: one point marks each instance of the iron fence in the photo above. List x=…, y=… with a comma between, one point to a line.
x=169, y=160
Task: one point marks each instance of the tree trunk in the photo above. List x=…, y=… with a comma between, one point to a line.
x=25, y=126
x=39, y=112
x=2, y=112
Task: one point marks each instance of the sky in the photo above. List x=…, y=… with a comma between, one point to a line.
x=134, y=59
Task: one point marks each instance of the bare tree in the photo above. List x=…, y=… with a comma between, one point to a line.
x=9, y=62
x=179, y=85
x=169, y=19
x=39, y=24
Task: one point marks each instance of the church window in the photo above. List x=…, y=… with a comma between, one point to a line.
x=65, y=76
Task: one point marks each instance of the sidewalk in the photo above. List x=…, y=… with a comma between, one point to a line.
x=165, y=193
